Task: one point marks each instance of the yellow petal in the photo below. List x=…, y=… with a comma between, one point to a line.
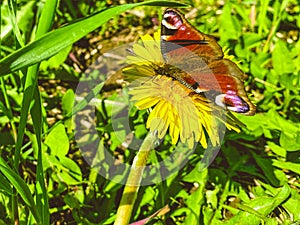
x=188, y=116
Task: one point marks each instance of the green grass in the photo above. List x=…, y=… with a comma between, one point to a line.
x=44, y=177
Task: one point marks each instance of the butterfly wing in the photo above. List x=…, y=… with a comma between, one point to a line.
x=221, y=80
x=178, y=34
x=200, y=58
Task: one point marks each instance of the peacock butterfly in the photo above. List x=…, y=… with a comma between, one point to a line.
x=205, y=70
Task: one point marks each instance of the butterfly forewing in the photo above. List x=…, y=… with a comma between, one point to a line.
x=177, y=30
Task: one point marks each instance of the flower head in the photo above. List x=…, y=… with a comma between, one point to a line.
x=186, y=115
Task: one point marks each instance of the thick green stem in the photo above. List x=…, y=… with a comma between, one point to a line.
x=134, y=180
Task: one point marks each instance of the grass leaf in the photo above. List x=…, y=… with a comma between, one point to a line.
x=54, y=41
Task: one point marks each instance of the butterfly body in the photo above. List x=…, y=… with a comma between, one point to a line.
x=201, y=62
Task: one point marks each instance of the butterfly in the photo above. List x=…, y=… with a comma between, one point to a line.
x=201, y=60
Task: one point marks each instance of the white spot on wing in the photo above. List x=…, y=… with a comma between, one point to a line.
x=168, y=25
x=219, y=100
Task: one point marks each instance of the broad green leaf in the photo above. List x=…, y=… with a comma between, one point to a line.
x=268, y=169
x=257, y=65
x=277, y=149
x=251, y=40
x=148, y=196
x=80, y=194
x=290, y=131
x=240, y=220
x=67, y=107
x=292, y=205
x=184, y=211
x=71, y=201
x=50, y=161
x=68, y=102
x=197, y=174
x=282, y=59
x=254, y=124
x=271, y=121
x=230, y=27
x=271, y=221
x=70, y=171
x=265, y=205
x=58, y=141
x=196, y=200
x=65, y=169
x=289, y=140
x=295, y=167
x=259, y=208
x=140, y=131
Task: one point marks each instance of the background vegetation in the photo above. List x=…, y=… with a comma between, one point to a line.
x=44, y=178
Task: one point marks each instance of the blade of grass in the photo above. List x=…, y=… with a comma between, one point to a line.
x=32, y=92
x=13, y=18
x=262, y=17
x=22, y=15
x=6, y=109
x=54, y=41
x=42, y=204
x=277, y=16
x=45, y=23
x=21, y=188
x=5, y=186
x=82, y=104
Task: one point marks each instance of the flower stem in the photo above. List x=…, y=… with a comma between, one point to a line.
x=134, y=180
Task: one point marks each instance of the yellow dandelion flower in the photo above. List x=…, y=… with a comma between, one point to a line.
x=175, y=109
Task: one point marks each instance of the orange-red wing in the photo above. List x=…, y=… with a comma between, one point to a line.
x=200, y=59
